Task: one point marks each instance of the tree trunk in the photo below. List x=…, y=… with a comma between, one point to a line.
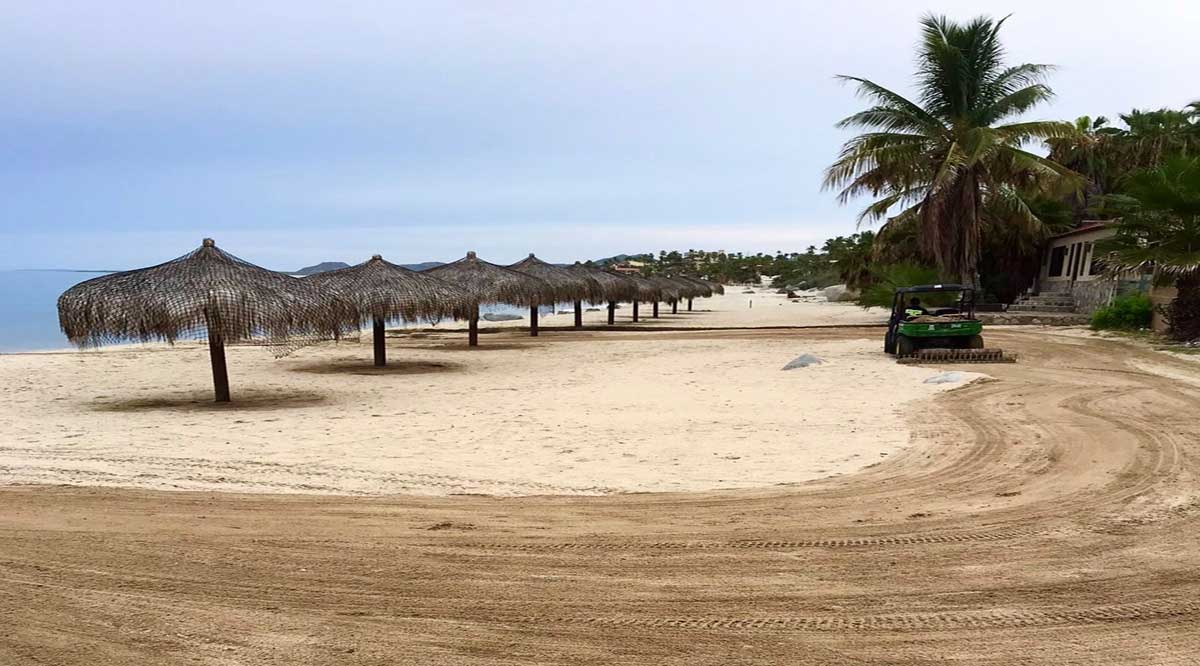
x=533, y=320
x=578, y=314
x=612, y=312
x=1183, y=313
x=473, y=328
x=380, y=343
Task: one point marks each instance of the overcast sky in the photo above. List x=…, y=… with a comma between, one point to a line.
x=297, y=131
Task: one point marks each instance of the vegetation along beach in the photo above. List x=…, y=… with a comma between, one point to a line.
x=600, y=334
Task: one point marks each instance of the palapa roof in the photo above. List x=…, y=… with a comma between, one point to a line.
x=488, y=283
x=647, y=289
x=696, y=287
x=613, y=286
x=379, y=289
x=717, y=287
x=565, y=285
x=671, y=290
x=208, y=290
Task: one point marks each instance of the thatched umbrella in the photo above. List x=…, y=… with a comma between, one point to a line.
x=380, y=291
x=698, y=289
x=671, y=291
x=205, y=290
x=488, y=283
x=614, y=287
x=648, y=291
x=717, y=287
x=564, y=286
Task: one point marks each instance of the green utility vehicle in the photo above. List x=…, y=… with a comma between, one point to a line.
x=917, y=325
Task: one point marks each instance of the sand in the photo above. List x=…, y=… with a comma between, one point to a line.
x=1050, y=517
x=732, y=309
x=566, y=413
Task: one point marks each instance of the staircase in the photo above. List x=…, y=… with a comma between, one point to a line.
x=1046, y=302
x=1050, y=307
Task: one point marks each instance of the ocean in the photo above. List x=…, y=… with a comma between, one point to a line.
x=29, y=308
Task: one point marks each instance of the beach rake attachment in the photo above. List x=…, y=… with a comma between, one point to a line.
x=939, y=355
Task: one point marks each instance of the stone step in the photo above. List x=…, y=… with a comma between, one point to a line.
x=1024, y=307
x=1032, y=319
x=1069, y=302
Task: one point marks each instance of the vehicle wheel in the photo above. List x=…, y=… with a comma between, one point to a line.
x=905, y=346
x=975, y=342
x=889, y=343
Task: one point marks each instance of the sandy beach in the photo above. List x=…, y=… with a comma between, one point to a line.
x=566, y=413
x=1049, y=515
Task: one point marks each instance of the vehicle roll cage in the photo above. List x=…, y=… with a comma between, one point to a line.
x=966, y=301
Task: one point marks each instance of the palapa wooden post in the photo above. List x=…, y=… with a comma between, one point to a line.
x=655, y=314
x=216, y=354
x=378, y=337
x=635, y=311
x=612, y=312
x=674, y=307
x=216, y=351
x=473, y=328
x=578, y=314
x=533, y=321
x=689, y=305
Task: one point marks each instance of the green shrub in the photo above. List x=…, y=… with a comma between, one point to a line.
x=1131, y=312
x=886, y=279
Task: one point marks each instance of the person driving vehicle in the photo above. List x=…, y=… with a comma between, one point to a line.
x=915, y=309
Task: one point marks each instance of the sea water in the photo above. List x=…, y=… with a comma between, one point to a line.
x=29, y=308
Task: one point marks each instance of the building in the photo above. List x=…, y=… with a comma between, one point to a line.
x=629, y=267
x=1071, y=268
x=1072, y=276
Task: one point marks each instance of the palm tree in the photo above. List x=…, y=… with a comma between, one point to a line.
x=1090, y=150
x=950, y=159
x=1160, y=231
x=1155, y=136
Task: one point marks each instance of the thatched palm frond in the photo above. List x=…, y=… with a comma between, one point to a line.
x=696, y=287
x=614, y=287
x=717, y=287
x=648, y=291
x=489, y=283
x=380, y=290
x=565, y=286
x=670, y=289
x=205, y=290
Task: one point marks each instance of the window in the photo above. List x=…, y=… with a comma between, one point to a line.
x=1097, y=265
x=1058, y=261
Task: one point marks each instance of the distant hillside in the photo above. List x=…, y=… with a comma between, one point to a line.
x=322, y=267
x=334, y=265
x=617, y=259
x=424, y=265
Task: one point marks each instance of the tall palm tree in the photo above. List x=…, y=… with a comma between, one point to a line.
x=1159, y=230
x=1090, y=150
x=1156, y=136
x=949, y=159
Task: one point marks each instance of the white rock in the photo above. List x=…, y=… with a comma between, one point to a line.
x=803, y=361
x=946, y=378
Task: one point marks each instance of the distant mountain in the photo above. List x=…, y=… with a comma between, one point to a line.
x=325, y=266
x=616, y=259
x=424, y=265
x=322, y=267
